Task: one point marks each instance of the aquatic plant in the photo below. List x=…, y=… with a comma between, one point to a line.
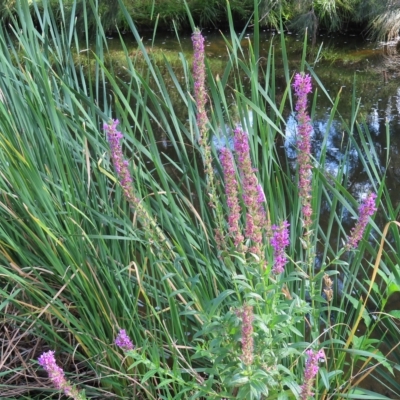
x=247, y=335
x=231, y=192
x=279, y=241
x=199, y=75
x=120, y=164
x=200, y=95
x=310, y=372
x=100, y=231
x=57, y=376
x=252, y=192
x=366, y=210
x=123, y=341
x=302, y=87
x=382, y=18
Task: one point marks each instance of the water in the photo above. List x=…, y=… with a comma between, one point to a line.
x=343, y=61
x=344, y=64
x=339, y=62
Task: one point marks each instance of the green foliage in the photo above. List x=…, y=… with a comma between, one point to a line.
x=381, y=18
x=78, y=263
x=384, y=22
x=147, y=14
x=275, y=321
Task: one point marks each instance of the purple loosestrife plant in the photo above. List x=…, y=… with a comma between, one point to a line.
x=310, y=372
x=231, y=191
x=247, y=335
x=121, y=166
x=279, y=240
x=302, y=87
x=366, y=210
x=200, y=96
x=123, y=341
x=199, y=75
x=114, y=138
x=253, y=196
x=57, y=376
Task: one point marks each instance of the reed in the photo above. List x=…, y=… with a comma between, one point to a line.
x=110, y=257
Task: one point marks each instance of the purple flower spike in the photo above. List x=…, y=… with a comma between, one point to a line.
x=200, y=97
x=231, y=191
x=302, y=87
x=56, y=374
x=114, y=138
x=261, y=194
x=280, y=240
x=199, y=76
x=247, y=334
x=310, y=372
x=366, y=210
x=253, y=195
x=123, y=341
x=57, y=377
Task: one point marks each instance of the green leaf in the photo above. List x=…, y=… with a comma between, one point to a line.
x=395, y=313
x=238, y=380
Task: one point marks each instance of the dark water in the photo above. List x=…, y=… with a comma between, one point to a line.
x=343, y=63
x=364, y=73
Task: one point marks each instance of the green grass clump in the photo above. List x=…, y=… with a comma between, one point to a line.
x=83, y=255
x=147, y=14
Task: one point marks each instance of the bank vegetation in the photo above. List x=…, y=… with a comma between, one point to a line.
x=377, y=19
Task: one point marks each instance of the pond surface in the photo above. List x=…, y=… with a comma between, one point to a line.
x=347, y=64
x=338, y=61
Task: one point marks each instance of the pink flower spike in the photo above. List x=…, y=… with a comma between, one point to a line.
x=253, y=195
x=280, y=240
x=302, y=87
x=366, y=210
x=123, y=341
x=56, y=375
x=121, y=165
x=199, y=76
x=310, y=372
x=247, y=334
x=231, y=191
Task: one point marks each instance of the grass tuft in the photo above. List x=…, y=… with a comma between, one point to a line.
x=84, y=255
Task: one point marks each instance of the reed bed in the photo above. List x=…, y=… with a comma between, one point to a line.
x=149, y=254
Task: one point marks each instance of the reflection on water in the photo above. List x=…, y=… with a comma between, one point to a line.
x=340, y=159
x=223, y=139
x=342, y=61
